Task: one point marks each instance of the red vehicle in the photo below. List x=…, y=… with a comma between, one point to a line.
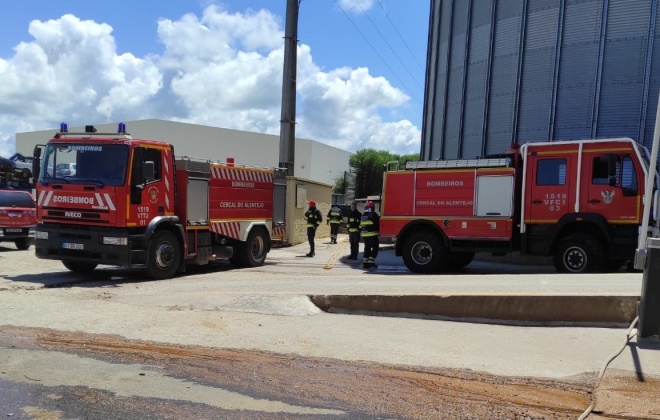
x=131, y=203
x=18, y=217
x=578, y=201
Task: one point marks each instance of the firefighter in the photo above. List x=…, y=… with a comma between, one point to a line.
x=314, y=219
x=334, y=220
x=369, y=225
x=354, y=219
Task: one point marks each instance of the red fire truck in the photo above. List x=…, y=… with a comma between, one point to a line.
x=578, y=201
x=132, y=203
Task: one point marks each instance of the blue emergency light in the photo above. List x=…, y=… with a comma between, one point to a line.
x=63, y=127
x=121, y=128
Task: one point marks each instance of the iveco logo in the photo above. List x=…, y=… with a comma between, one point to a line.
x=73, y=214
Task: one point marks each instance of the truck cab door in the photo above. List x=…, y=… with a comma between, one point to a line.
x=548, y=188
x=151, y=186
x=612, y=188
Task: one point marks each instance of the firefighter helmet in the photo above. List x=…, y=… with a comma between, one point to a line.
x=311, y=202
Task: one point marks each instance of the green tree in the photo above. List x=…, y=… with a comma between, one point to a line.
x=368, y=165
x=341, y=184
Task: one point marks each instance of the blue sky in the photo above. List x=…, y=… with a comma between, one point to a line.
x=360, y=66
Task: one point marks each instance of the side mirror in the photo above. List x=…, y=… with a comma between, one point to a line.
x=36, y=168
x=37, y=152
x=149, y=171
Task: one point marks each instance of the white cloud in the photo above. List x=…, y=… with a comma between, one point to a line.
x=356, y=6
x=221, y=69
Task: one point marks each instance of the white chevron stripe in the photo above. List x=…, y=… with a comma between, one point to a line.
x=111, y=205
x=99, y=199
x=167, y=202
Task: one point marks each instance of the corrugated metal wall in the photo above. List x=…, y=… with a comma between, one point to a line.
x=500, y=71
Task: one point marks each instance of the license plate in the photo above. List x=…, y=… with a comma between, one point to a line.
x=69, y=245
x=13, y=230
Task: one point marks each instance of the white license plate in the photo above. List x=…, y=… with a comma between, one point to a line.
x=13, y=230
x=69, y=245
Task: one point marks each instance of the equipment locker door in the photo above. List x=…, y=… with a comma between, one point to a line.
x=611, y=187
x=549, y=189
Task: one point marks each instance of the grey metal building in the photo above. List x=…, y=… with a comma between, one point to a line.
x=503, y=71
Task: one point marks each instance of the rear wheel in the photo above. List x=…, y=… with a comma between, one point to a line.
x=423, y=252
x=579, y=253
x=22, y=243
x=79, y=267
x=164, y=255
x=252, y=253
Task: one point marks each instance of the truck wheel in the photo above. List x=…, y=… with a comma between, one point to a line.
x=423, y=253
x=22, y=243
x=253, y=252
x=458, y=260
x=164, y=255
x=579, y=253
x=79, y=267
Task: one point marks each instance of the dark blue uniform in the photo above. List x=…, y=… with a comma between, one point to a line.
x=370, y=226
x=314, y=219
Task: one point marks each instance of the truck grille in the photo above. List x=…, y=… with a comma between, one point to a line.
x=66, y=215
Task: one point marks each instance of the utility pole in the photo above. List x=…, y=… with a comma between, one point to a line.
x=288, y=119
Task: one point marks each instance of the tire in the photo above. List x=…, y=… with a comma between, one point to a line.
x=252, y=253
x=579, y=253
x=459, y=260
x=22, y=243
x=423, y=252
x=164, y=255
x=79, y=267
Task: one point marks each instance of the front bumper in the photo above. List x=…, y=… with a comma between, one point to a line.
x=85, y=244
x=9, y=234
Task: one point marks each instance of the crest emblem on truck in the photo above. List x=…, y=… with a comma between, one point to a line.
x=608, y=196
x=153, y=194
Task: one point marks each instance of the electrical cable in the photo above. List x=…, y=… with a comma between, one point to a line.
x=602, y=371
x=389, y=45
x=379, y=56
x=400, y=36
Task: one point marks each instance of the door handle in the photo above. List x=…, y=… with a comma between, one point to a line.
x=537, y=201
x=593, y=201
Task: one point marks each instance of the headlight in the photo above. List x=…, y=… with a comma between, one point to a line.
x=41, y=235
x=112, y=240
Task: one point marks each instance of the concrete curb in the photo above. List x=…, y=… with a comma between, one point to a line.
x=546, y=310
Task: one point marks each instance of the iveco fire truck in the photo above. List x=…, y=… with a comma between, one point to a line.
x=132, y=203
x=580, y=202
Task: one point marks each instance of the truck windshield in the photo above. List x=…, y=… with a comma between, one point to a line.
x=101, y=164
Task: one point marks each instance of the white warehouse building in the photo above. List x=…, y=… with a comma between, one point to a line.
x=314, y=161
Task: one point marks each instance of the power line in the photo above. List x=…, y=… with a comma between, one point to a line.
x=379, y=56
x=390, y=46
x=400, y=36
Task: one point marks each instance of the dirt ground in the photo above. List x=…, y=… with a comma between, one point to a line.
x=362, y=390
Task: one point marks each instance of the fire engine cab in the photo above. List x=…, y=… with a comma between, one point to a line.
x=578, y=201
x=132, y=203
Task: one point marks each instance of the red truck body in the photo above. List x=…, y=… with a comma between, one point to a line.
x=133, y=203
x=579, y=201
